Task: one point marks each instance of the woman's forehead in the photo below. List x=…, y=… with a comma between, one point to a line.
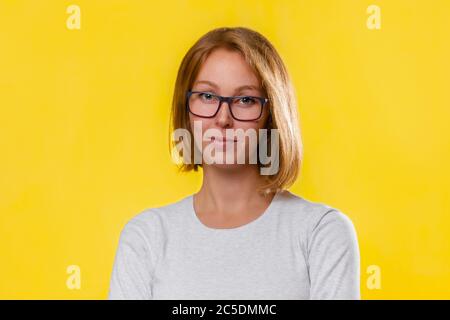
x=227, y=64
x=239, y=87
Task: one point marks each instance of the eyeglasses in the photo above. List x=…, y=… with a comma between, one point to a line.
x=242, y=108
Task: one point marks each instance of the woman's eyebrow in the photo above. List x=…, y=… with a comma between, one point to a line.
x=241, y=88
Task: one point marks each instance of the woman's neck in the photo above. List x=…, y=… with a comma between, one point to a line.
x=232, y=192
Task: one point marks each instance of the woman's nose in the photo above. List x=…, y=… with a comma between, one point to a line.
x=223, y=116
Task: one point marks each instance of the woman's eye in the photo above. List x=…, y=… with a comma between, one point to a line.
x=247, y=100
x=206, y=96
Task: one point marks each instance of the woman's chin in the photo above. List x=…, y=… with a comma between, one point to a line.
x=228, y=160
x=220, y=161
x=226, y=166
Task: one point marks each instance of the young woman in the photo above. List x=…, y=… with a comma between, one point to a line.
x=243, y=235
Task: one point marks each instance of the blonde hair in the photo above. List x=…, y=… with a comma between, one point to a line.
x=276, y=84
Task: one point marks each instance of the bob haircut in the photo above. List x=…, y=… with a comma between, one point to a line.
x=263, y=58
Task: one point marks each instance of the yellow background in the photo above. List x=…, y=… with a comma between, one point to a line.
x=84, y=130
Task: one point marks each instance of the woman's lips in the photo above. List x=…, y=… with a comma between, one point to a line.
x=221, y=142
x=216, y=139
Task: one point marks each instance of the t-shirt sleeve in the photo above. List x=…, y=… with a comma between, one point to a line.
x=131, y=273
x=334, y=259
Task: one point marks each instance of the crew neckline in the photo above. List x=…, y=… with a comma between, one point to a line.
x=273, y=204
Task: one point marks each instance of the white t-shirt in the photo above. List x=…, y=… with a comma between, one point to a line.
x=297, y=249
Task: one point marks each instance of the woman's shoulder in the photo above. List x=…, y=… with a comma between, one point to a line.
x=311, y=214
x=319, y=225
x=152, y=221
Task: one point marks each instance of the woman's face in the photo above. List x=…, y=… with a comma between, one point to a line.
x=226, y=73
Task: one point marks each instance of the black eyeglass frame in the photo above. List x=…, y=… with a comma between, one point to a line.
x=263, y=101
